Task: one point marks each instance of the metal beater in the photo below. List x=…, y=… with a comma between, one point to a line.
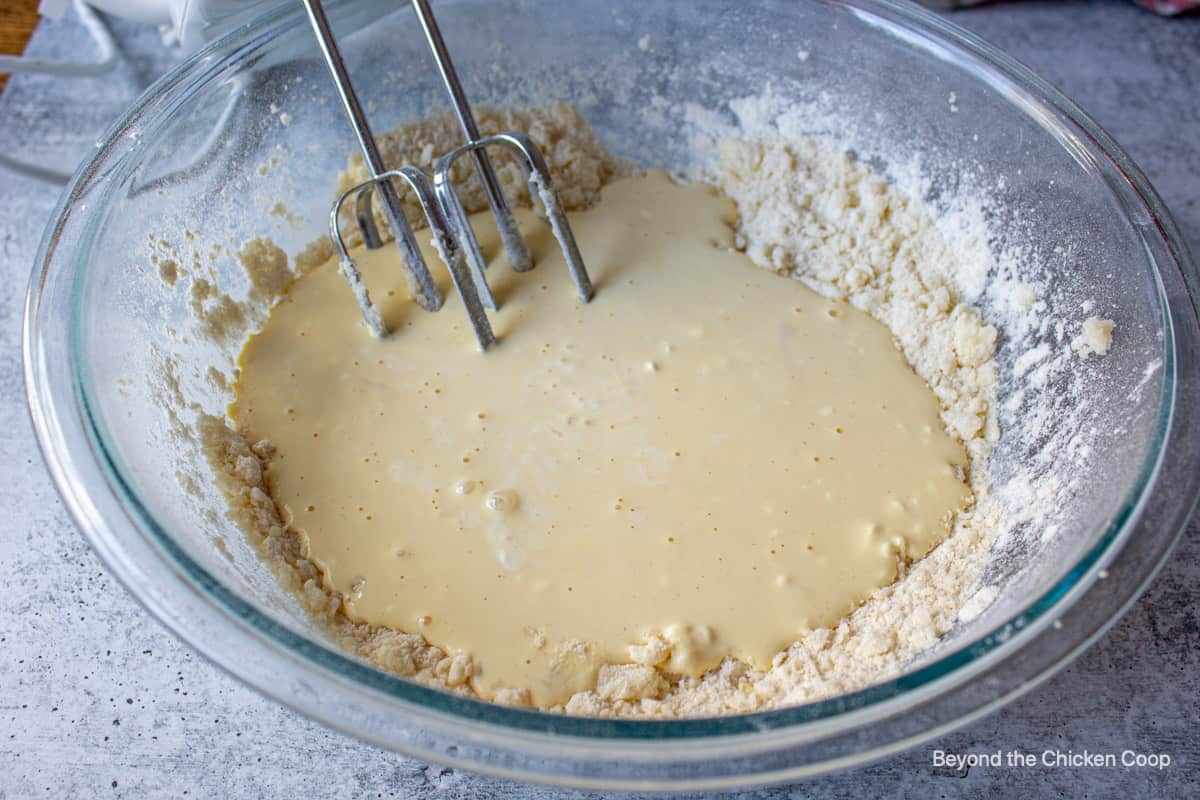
x=443, y=209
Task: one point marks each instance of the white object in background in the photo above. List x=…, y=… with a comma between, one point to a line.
x=55, y=9
x=189, y=23
x=198, y=22
x=99, y=33
x=155, y=12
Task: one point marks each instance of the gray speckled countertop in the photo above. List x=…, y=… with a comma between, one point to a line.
x=96, y=699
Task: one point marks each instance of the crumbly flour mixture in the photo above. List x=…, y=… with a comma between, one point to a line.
x=807, y=210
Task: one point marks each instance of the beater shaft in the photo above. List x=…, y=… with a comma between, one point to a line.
x=439, y=201
x=424, y=289
x=506, y=223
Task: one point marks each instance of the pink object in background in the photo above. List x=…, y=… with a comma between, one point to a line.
x=1169, y=7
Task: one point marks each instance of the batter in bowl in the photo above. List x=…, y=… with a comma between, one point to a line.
x=706, y=461
x=611, y=512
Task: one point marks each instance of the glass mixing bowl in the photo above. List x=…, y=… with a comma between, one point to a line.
x=251, y=120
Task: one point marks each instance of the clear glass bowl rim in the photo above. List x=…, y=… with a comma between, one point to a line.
x=75, y=465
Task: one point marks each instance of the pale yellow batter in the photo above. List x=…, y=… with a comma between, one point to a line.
x=703, y=462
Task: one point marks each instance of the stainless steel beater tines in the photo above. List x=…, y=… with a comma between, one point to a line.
x=438, y=199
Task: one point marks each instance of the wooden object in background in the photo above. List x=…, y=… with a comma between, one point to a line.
x=18, y=18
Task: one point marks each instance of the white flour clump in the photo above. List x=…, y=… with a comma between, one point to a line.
x=1095, y=338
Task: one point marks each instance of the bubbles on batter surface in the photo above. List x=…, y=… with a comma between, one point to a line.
x=502, y=500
